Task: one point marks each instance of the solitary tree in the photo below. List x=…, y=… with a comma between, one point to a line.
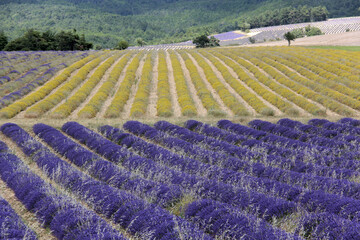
x=289, y=37
x=122, y=45
x=3, y=40
x=203, y=41
x=140, y=42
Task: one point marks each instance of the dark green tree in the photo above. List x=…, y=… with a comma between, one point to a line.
x=289, y=37
x=3, y=40
x=203, y=41
x=122, y=45
x=140, y=42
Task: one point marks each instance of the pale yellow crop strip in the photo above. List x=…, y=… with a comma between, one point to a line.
x=320, y=59
x=276, y=82
x=253, y=84
x=164, y=106
x=326, y=87
x=249, y=97
x=123, y=93
x=230, y=101
x=184, y=98
x=346, y=86
x=65, y=109
x=308, y=88
x=344, y=78
x=48, y=103
x=204, y=94
x=43, y=91
x=141, y=99
x=327, y=71
x=96, y=102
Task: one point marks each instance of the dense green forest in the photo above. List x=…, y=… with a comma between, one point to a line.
x=106, y=22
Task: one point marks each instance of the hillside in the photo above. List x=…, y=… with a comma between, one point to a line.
x=106, y=22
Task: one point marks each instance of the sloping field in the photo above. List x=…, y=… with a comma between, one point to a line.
x=339, y=39
x=193, y=180
x=221, y=82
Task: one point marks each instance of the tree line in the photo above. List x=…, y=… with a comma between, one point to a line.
x=34, y=40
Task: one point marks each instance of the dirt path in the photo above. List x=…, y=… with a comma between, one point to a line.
x=105, y=77
x=110, y=98
x=214, y=94
x=302, y=111
x=198, y=104
x=231, y=90
x=151, y=110
x=127, y=107
x=233, y=73
x=75, y=90
x=174, y=97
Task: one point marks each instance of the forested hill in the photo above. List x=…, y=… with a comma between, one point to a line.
x=105, y=22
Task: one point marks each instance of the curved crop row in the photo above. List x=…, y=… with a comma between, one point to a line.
x=141, y=99
x=163, y=88
x=230, y=101
x=318, y=91
x=132, y=213
x=184, y=98
x=274, y=85
x=41, y=93
x=249, y=97
x=253, y=84
x=64, y=91
x=12, y=226
x=96, y=102
x=123, y=93
x=83, y=92
x=204, y=94
x=65, y=217
x=308, y=68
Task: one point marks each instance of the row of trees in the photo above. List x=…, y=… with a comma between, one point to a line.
x=34, y=40
x=288, y=15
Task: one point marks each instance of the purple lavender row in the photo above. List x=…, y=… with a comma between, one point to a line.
x=223, y=226
x=134, y=214
x=30, y=73
x=67, y=147
x=315, y=200
x=193, y=166
x=338, y=127
x=234, y=139
x=272, y=138
x=242, y=163
x=336, y=146
x=293, y=161
x=308, y=201
x=105, y=171
x=349, y=122
x=214, y=214
x=327, y=226
x=347, y=160
x=65, y=218
x=245, y=154
x=13, y=96
x=12, y=227
x=200, y=187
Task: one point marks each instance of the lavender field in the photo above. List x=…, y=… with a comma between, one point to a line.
x=288, y=180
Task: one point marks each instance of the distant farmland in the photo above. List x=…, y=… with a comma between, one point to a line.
x=223, y=82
